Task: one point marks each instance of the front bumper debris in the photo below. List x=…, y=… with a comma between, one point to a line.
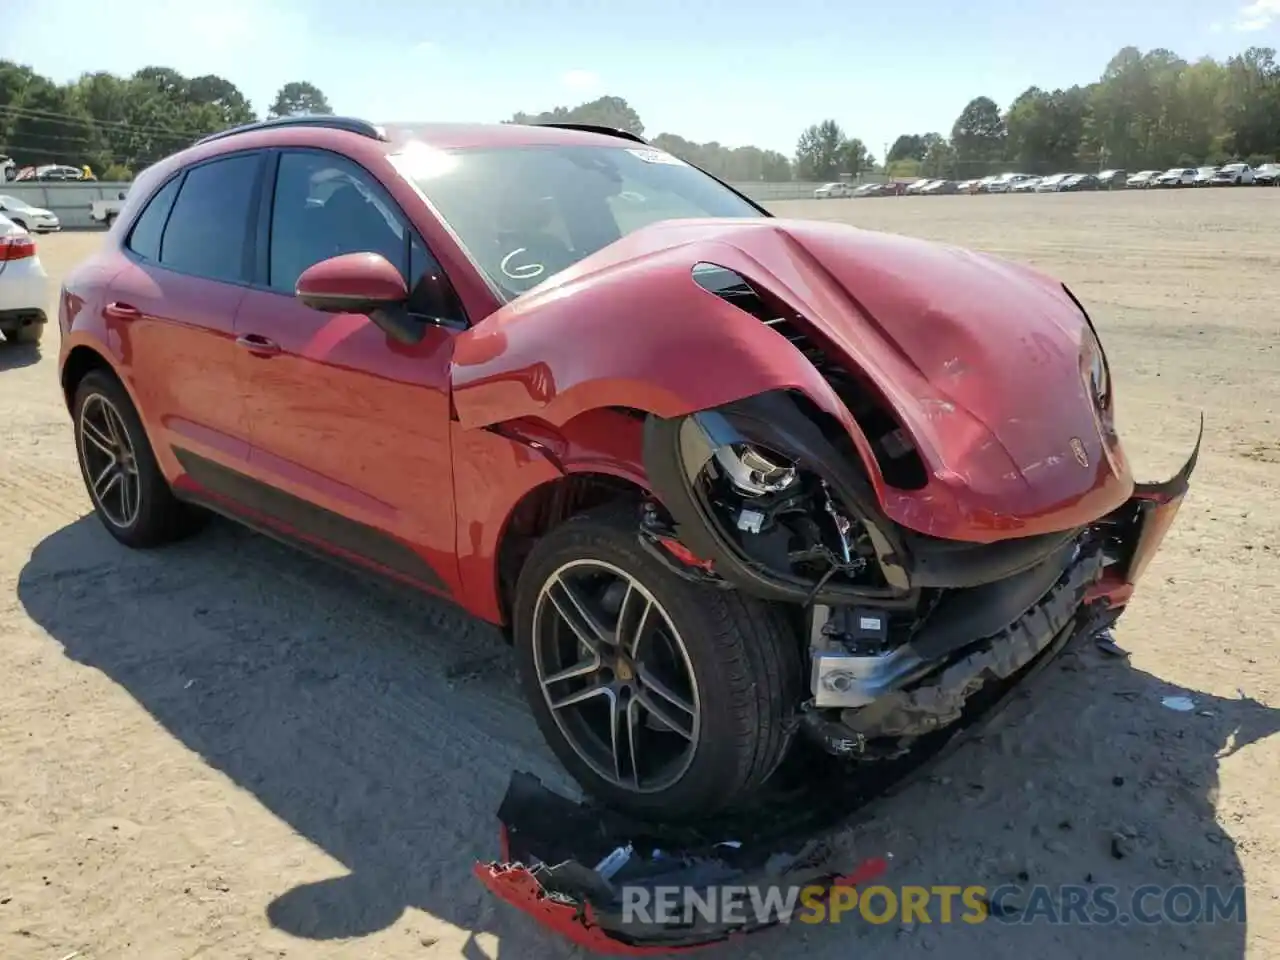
x=548, y=843
x=784, y=841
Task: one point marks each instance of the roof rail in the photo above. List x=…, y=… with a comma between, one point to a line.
x=598, y=128
x=350, y=124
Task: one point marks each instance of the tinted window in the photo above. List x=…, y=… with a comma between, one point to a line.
x=144, y=240
x=208, y=229
x=325, y=206
x=526, y=213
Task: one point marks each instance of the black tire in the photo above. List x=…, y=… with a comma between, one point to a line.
x=160, y=518
x=29, y=334
x=745, y=654
x=110, y=220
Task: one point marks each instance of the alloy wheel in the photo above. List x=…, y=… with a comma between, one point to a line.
x=110, y=463
x=616, y=676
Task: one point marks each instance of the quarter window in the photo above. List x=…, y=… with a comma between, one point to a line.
x=207, y=234
x=144, y=239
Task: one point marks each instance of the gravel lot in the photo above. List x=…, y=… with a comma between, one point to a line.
x=228, y=750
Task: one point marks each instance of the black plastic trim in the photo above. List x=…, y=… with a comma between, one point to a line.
x=346, y=124
x=307, y=519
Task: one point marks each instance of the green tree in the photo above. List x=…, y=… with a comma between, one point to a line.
x=822, y=152
x=48, y=126
x=939, y=161
x=225, y=97
x=909, y=146
x=299, y=98
x=605, y=111
x=978, y=133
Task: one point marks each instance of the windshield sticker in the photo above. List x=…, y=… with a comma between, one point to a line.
x=657, y=156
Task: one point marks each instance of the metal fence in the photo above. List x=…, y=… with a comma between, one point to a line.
x=70, y=201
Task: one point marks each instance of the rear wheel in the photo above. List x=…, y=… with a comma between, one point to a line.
x=664, y=697
x=129, y=492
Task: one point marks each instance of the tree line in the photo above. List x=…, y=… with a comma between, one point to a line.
x=1150, y=110
x=1147, y=110
x=120, y=125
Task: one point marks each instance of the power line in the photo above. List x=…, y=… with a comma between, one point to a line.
x=67, y=119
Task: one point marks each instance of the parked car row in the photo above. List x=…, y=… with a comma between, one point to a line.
x=1228, y=175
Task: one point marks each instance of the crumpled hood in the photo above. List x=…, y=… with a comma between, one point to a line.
x=980, y=358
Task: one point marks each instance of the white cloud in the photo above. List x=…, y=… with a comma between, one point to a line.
x=580, y=80
x=1257, y=16
x=427, y=48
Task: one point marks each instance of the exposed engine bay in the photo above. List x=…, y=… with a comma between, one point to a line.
x=769, y=496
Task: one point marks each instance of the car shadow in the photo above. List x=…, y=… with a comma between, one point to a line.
x=14, y=356
x=383, y=727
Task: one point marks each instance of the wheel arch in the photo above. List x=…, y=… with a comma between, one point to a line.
x=81, y=360
x=547, y=506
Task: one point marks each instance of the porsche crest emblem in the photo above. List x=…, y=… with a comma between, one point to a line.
x=1082, y=456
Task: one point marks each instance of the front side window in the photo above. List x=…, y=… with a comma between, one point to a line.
x=207, y=233
x=326, y=206
x=526, y=213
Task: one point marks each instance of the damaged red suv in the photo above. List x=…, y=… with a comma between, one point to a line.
x=726, y=479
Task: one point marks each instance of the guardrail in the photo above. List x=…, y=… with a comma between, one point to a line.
x=70, y=201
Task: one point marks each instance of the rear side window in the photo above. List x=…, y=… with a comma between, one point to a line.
x=144, y=240
x=208, y=231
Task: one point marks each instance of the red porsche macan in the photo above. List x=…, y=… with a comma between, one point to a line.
x=726, y=479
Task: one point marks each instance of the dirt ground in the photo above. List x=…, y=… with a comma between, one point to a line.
x=227, y=750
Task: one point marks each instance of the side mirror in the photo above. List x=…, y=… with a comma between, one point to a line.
x=361, y=283
x=351, y=283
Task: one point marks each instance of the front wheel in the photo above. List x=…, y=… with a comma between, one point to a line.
x=667, y=698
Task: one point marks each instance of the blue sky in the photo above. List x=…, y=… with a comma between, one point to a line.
x=738, y=72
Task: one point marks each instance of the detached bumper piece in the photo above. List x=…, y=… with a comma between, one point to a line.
x=571, y=866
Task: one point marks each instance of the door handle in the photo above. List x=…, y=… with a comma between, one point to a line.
x=258, y=345
x=121, y=311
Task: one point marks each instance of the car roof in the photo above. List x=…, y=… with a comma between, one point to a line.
x=364, y=141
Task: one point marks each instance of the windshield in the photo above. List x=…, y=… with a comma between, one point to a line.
x=13, y=203
x=526, y=213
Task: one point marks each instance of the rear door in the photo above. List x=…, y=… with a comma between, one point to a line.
x=188, y=260
x=351, y=430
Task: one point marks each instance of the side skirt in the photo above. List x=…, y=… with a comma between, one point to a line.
x=303, y=525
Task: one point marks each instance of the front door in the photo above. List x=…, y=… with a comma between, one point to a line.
x=350, y=429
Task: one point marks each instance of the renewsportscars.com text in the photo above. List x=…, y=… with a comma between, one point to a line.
x=1092, y=905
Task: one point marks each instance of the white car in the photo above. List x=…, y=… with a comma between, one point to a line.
x=1142, y=179
x=918, y=186
x=106, y=211
x=24, y=286
x=1053, y=184
x=832, y=190
x=1028, y=185
x=1205, y=175
x=1233, y=175
x=1176, y=177
x=1006, y=182
x=29, y=218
